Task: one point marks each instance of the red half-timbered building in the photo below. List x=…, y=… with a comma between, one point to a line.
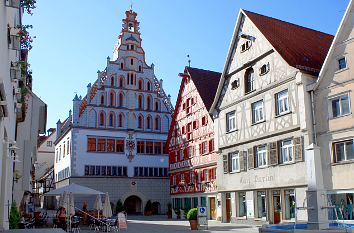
x=192, y=159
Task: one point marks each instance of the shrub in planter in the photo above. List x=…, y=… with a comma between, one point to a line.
x=14, y=216
x=192, y=217
x=119, y=206
x=148, y=208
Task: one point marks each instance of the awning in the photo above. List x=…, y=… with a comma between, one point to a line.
x=340, y=191
x=74, y=189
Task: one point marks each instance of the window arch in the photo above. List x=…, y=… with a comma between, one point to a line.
x=111, y=119
x=140, y=84
x=112, y=97
x=140, y=102
x=148, y=122
x=121, y=81
x=121, y=100
x=249, y=80
x=157, y=123
x=149, y=86
x=102, y=99
x=140, y=122
x=148, y=103
x=102, y=119
x=112, y=81
x=120, y=120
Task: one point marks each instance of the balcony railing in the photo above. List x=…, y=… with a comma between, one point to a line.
x=12, y=3
x=14, y=43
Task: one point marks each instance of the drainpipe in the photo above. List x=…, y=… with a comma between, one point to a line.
x=314, y=133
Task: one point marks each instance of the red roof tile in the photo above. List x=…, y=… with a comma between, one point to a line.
x=301, y=47
x=206, y=82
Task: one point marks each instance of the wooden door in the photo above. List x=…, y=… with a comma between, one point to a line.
x=212, y=208
x=228, y=209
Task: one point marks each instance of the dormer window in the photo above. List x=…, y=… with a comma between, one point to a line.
x=264, y=69
x=246, y=46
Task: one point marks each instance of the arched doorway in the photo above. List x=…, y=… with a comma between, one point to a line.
x=132, y=205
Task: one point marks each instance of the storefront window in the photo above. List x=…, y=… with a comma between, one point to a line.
x=261, y=205
x=242, y=204
x=343, y=203
x=203, y=201
x=290, y=204
x=195, y=202
x=187, y=202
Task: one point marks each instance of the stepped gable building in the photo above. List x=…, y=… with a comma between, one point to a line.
x=263, y=118
x=191, y=143
x=333, y=95
x=114, y=138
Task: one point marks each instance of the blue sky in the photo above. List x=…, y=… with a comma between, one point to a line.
x=74, y=37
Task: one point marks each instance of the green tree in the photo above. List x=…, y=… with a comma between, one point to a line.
x=14, y=216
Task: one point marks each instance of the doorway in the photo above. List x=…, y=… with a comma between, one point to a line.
x=212, y=208
x=133, y=205
x=228, y=207
x=276, y=207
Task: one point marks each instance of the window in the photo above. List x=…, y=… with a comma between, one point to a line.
x=131, y=61
x=205, y=175
x=148, y=86
x=264, y=69
x=235, y=84
x=120, y=146
x=290, y=204
x=181, y=155
x=68, y=146
x=121, y=66
x=140, y=122
x=211, y=145
x=242, y=204
x=249, y=81
x=343, y=151
x=140, y=101
x=245, y=46
x=261, y=156
x=157, y=148
x=149, y=147
x=195, y=124
x=204, y=120
x=87, y=170
x=342, y=63
x=102, y=99
x=112, y=97
x=231, y=121
x=101, y=145
x=140, y=147
x=156, y=106
x=64, y=150
x=121, y=81
x=286, y=151
x=261, y=205
x=235, y=162
x=174, y=180
x=49, y=143
x=110, y=145
x=148, y=103
x=120, y=120
x=282, y=102
x=176, y=156
x=102, y=119
x=120, y=100
x=157, y=123
x=112, y=81
x=191, y=177
x=257, y=112
x=92, y=170
x=140, y=84
x=111, y=120
x=140, y=69
x=91, y=144
x=340, y=105
x=148, y=122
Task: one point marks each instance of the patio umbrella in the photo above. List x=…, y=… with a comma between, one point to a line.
x=72, y=205
x=64, y=200
x=75, y=189
x=107, y=209
x=98, y=204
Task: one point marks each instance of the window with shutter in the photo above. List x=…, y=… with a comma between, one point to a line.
x=225, y=164
x=243, y=161
x=229, y=162
x=273, y=153
x=298, y=149
x=250, y=158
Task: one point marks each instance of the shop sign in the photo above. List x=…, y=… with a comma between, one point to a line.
x=256, y=179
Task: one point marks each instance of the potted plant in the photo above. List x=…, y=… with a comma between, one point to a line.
x=192, y=218
x=169, y=210
x=148, y=208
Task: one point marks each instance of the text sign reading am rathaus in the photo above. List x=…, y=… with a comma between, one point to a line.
x=202, y=218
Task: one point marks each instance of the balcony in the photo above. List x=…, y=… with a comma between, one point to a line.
x=12, y=3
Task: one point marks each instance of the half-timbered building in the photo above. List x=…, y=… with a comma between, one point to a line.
x=262, y=118
x=113, y=140
x=192, y=157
